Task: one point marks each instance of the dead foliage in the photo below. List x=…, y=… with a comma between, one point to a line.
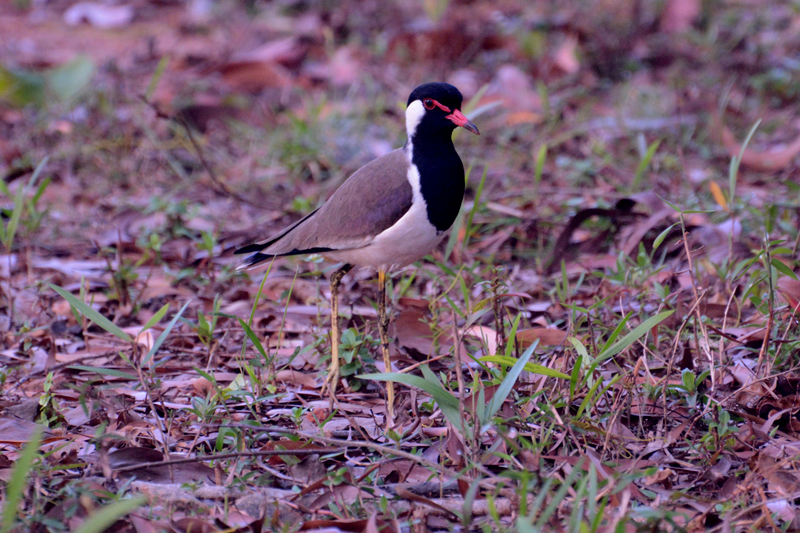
x=606, y=342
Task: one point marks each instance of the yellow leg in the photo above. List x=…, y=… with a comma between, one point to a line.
x=383, y=327
x=332, y=380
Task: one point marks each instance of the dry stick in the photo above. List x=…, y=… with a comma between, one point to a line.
x=426, y=362
x=672, y=357
x=460, y=379
x=384, y=450
x=771, y=309
x=697, y=298
x=234, y=455
x=500, y=334
x=165, y=441
x=60, y=366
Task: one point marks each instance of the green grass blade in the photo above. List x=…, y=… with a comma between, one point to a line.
x=559, y=496
x=256, y=299
x=101, y=520
x=161, y=338
x=19, y=475
x=781, y=267
x=508, y=382
x=638, y=332
x=13, y=221
x=435, y=390
x=644, y=163
x=662, y=236
x=541, y=157
x=254, y=339
x=91, y=314
x=512, y=337
x=733, y=171
x=533, y=368
x=575, y=377
x=156, y=77
x=616, y=333
x=105, y=371
x=156, y=318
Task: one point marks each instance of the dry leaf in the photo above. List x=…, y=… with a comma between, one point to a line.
x=566, y=57
x=679, y=15
x=100, y=15
x=789, y=289
x=545, y=336
x=771, y=161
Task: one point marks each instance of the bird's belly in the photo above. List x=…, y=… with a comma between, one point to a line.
x=410, y=239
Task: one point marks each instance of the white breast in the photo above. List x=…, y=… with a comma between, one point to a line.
x=410, y=239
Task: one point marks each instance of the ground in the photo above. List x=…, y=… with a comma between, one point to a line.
x=619, y=290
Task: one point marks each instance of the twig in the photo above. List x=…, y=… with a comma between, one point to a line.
x=237, y=455
x=384, y=450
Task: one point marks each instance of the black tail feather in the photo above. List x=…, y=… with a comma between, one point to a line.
x=250, y=248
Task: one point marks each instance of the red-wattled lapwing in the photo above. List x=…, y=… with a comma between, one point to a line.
x=390, y=213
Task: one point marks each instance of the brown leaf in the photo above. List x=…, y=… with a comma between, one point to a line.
x=515, y=89
x=14, y=430
x=486, y=335
x=545, y=336
x=770, y=161
x=255, y=76
x=789, y=289
x=660, y=477
x=296, y=378
x=99, y=15
x=566, y=57
x=412, y=332
x=679, y=15
x=193, y=525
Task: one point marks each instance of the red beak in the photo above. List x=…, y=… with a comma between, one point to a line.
x=458, y=118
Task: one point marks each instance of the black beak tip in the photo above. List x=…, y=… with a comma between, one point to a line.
x=469, y=126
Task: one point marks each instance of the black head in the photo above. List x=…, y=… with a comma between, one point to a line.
x=444, y=93
x=439, y=109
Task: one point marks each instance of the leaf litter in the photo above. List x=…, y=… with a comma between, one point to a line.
x=620, y=294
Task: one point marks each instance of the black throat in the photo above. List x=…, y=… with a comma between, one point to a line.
x=441, y=175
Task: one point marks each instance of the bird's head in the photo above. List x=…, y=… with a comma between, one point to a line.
x=436, y=107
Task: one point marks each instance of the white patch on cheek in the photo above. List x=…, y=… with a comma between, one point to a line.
x=414, y=115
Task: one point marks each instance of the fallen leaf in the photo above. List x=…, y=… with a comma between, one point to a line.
x=770, y=161
x=545, y=336
x=99, y=15
x=566, y=57
x=679, y=15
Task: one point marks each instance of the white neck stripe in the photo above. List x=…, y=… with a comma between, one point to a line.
x=414, y=115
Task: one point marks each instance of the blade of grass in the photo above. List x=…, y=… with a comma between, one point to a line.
x=102, y=519
x=105, y=371
x=156, y=77
x=255, y=301
x=508, y=382
x=161, y=338
x=254, y=339
x=91, y=314
x=541, y=157
x=534, y=368
x=638, y=332
x=156, y=318
x=643, y=164
x=19, y=475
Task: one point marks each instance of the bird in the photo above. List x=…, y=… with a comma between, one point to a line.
x=389, y=213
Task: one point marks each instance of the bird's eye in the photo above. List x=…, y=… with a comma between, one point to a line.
x=428, y=103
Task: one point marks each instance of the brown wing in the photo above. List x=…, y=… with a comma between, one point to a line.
x=369, y=202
